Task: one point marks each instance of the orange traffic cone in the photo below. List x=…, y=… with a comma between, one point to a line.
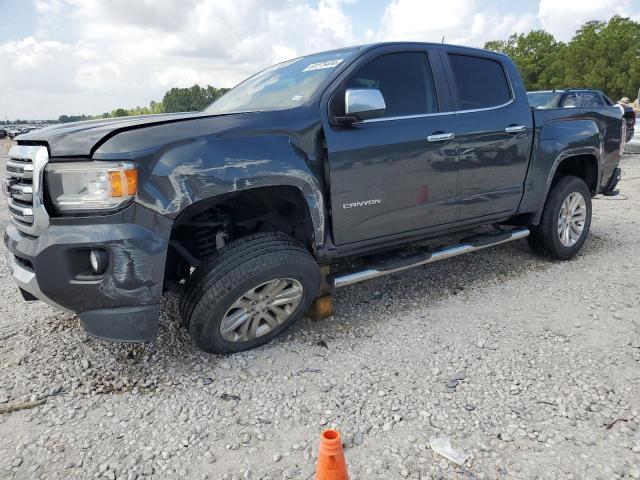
x=331, y=463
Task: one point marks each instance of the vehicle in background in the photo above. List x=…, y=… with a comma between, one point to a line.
x=12, y=131
x=3, y=133
x=580, y=98
x=245, y=207
x=630, y=117
x=633, y=145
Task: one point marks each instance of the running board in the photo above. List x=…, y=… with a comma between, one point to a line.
x=417, y=257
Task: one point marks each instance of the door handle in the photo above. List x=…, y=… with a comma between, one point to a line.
x=439, y=137
x=515, y=129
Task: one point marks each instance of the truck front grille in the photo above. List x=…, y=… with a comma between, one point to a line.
x=23, y=187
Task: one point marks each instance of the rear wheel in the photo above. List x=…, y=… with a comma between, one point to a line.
x=565, y=221
x=249, y=292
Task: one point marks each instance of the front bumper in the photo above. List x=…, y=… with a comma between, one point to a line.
x=121, y=304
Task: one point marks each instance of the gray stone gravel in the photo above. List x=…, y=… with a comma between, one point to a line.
x=531, y=367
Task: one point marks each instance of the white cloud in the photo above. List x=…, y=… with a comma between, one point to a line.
x=41, y=65
x=125, y=53
x=458, y=21
x=563, y=18
x=91, y=56
x=98, y=76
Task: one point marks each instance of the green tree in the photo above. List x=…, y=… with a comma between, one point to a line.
x=190, y=99
x=606, y=56
x=156, y=107
x=537, y=55
x=214, y=93
x=601, y=55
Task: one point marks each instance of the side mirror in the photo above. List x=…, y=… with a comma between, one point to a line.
x=362, y=104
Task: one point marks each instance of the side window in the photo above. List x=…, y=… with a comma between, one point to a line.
x=571, y=101
x=481, y=82
x=591, y=99
x=404, y=79
x=582, y=100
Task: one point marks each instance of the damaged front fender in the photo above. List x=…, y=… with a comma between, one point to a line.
x=202, y=159
x=203, y=169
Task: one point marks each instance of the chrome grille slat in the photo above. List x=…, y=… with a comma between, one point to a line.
x=22, y=192
x=22, y=212
x=23, y=185
x=19, y=169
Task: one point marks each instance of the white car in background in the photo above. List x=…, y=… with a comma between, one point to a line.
x=633, y=146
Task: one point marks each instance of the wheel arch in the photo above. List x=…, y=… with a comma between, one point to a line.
x=582, y=165
x=580, y=162
x=204, y=226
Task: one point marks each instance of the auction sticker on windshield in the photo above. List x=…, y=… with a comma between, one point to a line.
x=321, y=65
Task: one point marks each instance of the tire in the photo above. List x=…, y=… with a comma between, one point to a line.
x=227, y=284
x=545, y=239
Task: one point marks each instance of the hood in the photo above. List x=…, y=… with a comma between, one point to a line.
x=80, y=138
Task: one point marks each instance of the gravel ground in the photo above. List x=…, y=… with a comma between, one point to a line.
x=531, y=367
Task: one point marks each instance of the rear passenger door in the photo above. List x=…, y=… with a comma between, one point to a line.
x=495, y=129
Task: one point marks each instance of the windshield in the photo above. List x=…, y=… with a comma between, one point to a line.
x=282, y=86
x=544, y=99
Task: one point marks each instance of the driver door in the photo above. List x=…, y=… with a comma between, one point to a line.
x=398, y=172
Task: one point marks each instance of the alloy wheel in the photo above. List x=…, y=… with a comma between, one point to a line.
x=571, y=219
x=261, y=309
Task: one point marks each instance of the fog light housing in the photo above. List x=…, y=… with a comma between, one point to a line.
x=99, y=261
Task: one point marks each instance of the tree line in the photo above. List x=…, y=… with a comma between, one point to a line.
x=604, y=55
x=601, y=55
x=175, y=100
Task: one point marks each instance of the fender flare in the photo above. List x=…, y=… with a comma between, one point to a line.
x=198, y=170
x=563, y=156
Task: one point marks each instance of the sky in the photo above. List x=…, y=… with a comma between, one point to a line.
x=93, y=56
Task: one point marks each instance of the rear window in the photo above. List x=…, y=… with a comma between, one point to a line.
x=481, y=82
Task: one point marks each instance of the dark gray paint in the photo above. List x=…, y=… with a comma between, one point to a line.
x=188, y=158
x=492, y=162
x=483, y=175
x=78, y=139
x=416, y=181
x=185, y=163
x=136, y=241
x=124, y=324
x=563, y=133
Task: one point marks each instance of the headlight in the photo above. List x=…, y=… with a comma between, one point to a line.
x=84, y=186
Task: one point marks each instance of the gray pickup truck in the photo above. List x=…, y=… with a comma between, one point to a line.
x=243, y=207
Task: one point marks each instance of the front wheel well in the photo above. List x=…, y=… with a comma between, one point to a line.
x=206, y=226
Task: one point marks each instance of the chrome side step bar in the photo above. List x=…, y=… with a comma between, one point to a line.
x=416, y=258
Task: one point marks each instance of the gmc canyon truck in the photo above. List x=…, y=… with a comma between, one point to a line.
x=243, y=207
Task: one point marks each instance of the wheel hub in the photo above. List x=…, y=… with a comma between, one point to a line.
x=571, y=219
x=261, y=309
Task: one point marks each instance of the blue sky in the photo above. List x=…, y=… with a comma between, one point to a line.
x=91, y=56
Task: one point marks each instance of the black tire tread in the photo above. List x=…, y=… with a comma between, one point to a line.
x=542, y=237
x=216, y=266
x=223, y=271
